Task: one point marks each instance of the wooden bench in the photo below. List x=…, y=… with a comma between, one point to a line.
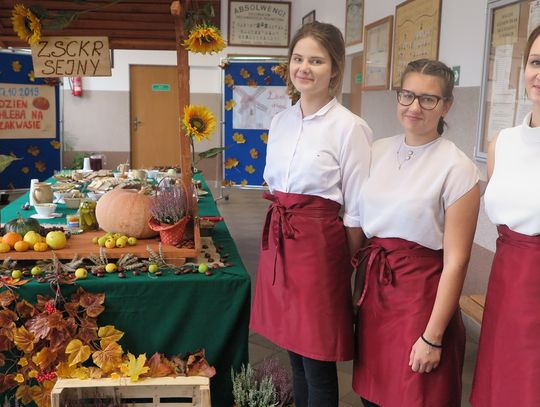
x=473, y=306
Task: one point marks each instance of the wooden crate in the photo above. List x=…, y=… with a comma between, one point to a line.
x=178, y=391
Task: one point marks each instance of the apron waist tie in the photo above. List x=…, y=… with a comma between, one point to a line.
x=372, y=253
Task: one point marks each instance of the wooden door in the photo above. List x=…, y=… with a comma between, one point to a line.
x=356, y=84
x=155, y=138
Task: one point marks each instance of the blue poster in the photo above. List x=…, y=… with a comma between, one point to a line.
x=29, y=122
x=253, y=93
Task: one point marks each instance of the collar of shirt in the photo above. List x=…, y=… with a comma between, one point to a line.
x=321, y=112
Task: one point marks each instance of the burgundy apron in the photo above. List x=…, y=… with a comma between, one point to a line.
x=303, y=291
x=508, y=364
x=399, y=292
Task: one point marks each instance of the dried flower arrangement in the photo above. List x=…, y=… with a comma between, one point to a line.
x=169, y=205
x=265, y=386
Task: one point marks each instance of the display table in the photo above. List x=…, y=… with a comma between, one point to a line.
x=174, y=314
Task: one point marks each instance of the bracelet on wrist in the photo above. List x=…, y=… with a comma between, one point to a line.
x=433, y=345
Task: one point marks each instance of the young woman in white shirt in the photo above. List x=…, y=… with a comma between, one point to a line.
x=508, y=365
x=419, y=207
x=317, y=160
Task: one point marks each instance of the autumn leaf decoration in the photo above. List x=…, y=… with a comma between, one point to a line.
x=51, y=339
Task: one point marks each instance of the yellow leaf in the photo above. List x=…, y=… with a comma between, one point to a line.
x=244, y=73
x=115, y=375
x=229, y=81
x=81, y=373
x=94, y=373
x=23, y=339
x=109, y=358
x=243, y=182
x=19, y=378
x=44, y=358
x=260, y=70
x=109, y=334
x=250, y=169
x=239, y=138
x=42, y=395
x=231, y=163
x=230, y=104
x=254, y=153
x=26, y=393
x=22, y=362
x=264, y=138
x=135, y=367
x=78, y=352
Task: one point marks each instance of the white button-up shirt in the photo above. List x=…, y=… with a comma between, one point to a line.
x=326, y=154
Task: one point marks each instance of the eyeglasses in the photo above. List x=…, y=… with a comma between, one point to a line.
x=427, y=102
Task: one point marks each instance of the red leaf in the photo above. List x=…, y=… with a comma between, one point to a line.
x=159, y=367
x=8, y=318
x=93, y=303
x=88, y=330
x=25, y=309
x=6, y=298
x=198, y=366
x=39, y=326
x=7, y=382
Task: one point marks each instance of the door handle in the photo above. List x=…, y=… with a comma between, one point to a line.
x=135, y=123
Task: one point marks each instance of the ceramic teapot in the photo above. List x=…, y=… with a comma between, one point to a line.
x=42, y=192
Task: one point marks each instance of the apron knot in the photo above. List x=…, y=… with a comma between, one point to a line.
x=278, y=218
x=373, y=255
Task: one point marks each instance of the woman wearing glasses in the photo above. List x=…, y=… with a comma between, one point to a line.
x=420, y=206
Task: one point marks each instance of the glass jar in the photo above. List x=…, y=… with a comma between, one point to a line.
x=87, y=215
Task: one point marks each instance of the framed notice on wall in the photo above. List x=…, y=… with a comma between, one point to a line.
x=354, y=21
x=377, y=52
x=416, y=34
x=259, y=23
x=503, y=100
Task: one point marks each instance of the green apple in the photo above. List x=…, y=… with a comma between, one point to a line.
x=203, y=268
x=81, y=273
x=36, y=271
x=16, y=274
x=152, y=268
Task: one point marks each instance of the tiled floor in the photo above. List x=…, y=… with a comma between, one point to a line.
x=244, y=212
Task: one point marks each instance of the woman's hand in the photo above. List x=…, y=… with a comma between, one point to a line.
x=424, y=358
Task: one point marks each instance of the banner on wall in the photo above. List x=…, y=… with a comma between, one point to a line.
x=27, y=111
x=253, y=93
x=29, y=122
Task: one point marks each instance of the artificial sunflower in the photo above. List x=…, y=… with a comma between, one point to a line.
x=204, y=39
x=199, y=122
x=26, y=24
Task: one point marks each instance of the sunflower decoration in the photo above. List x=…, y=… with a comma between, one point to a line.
x=26, y=24
x=204, y=39
x=199, y=122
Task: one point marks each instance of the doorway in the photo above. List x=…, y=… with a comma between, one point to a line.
x=154, y=121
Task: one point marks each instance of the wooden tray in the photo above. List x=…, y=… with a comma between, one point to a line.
x=82, y=246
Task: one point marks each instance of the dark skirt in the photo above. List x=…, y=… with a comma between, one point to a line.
x=303, y=299
x=508, y=364
x=402, y=278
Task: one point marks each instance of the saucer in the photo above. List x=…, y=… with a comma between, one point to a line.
x=202, y=192
x=53, y=215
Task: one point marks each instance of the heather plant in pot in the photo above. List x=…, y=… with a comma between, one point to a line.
x=170, y=214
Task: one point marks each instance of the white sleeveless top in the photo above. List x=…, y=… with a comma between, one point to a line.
x=512, y=197
x=410, y=187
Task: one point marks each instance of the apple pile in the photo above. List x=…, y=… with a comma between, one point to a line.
x=55, y=240
x=111, y=240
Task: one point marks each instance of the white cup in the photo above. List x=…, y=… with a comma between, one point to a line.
x=86, y=164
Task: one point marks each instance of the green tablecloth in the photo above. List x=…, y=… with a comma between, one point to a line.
x=174, y=314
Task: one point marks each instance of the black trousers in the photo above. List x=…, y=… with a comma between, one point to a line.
x=368, y=403
x=315, y=382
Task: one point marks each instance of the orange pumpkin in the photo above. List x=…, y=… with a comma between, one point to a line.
x=125, y=211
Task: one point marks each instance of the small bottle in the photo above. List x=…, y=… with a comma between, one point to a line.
x=87, y=215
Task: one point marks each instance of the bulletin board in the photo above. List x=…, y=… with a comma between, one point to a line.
x=252, y=95
x=503, y=100
x=29, y=122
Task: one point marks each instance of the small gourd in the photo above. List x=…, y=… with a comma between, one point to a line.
x=22, y=225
